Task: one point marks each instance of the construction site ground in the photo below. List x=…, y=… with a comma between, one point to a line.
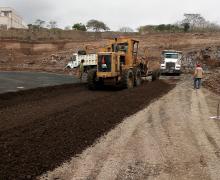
x=161, y=130
x=203, y=47
x=42, y=128
x=172, y=138
x=212, y=81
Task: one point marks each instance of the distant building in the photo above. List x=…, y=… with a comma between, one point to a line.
x=10, y=19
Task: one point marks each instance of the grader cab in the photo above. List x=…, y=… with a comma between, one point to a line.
x=118, y=64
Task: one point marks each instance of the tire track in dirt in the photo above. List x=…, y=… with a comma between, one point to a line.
x=143, y=146
x=164, y=123
x=214, y=144
x=200, y=124
x=177, y=129
x=210, y=129
x=139, y=147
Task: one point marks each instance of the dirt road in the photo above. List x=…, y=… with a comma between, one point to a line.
x=42, y=128
x=173, y=138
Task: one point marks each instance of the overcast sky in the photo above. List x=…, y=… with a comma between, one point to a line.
x=115, y=13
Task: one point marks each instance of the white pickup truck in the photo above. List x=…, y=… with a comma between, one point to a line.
x=171, y=62
x=89, y=61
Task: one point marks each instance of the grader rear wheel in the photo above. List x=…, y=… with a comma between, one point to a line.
x=128, y=79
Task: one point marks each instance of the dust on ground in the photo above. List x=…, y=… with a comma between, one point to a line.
x=173, y=138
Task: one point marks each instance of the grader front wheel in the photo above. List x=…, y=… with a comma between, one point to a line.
x=137, y=77
x=128, y=79
x=91, y=79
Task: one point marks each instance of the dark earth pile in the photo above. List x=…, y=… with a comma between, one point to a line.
x=212, y=81
x=42, y=128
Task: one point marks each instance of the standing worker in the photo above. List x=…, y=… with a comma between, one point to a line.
x=81, y=70
x=198, y=75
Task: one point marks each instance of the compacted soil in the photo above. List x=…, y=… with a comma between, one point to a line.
x=173, y=138
x=42, y=128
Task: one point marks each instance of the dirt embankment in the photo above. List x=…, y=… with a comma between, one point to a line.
x=42, y=128
x=53, y=56
x=212, y=81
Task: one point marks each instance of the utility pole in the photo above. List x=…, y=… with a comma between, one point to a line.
x=218, y=115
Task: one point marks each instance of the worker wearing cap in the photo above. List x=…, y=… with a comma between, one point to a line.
x=81, y=70
x=198, y=75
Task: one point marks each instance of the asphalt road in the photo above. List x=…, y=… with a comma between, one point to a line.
x=14, y=81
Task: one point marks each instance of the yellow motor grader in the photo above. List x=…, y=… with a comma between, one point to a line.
x=118, y=65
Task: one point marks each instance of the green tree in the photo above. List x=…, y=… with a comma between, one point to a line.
x=39, y=23
x=147, y=28
x=126, y=29
x=79, y=27
x=161, y=27
x=168, y=28
x=33, y=27
x=97, y=26
x=186, y=27
x=52, y=24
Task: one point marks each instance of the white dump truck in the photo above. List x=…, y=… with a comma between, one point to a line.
x=89, y=61
x=171, y=62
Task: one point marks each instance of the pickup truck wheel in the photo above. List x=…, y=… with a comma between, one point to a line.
x=127, y=79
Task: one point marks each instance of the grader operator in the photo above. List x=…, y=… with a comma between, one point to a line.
x=118, y=65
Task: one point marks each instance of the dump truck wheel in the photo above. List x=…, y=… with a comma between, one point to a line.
x=128, y=79
x=158, y=74
x=68, y=69
x=137, y=77
x=155, y=75
x=91, y=79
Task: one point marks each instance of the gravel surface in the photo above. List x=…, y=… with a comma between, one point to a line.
x=42, y=128
x=172, y=138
